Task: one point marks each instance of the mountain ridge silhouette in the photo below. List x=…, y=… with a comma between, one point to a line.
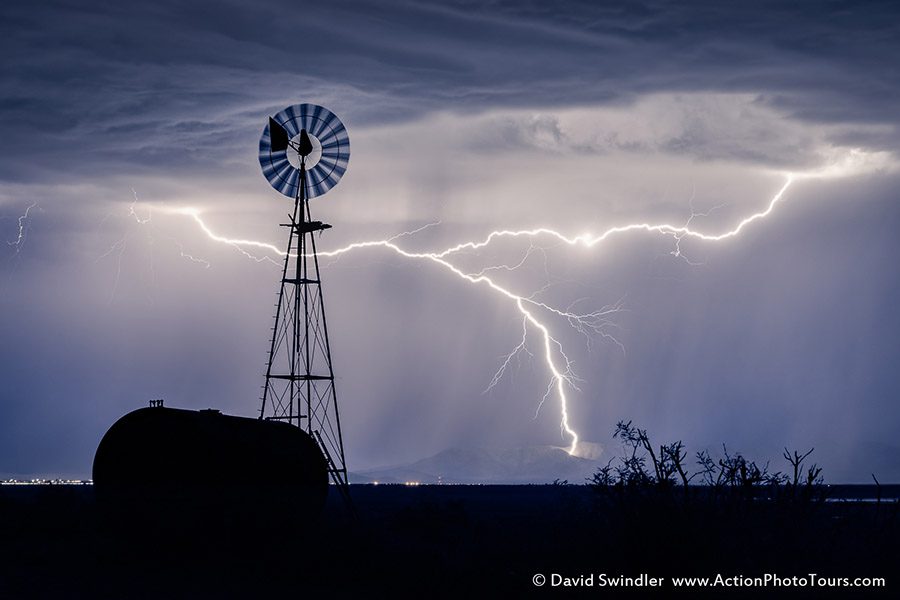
x=477, y=465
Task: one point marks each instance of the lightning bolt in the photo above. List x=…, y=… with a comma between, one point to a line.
x=237, y=244
x=23, y=223
x=119, y=249
x=533, y=311
x=676, y=251
x=146, y=223
x=132, y=212
x=22, y=233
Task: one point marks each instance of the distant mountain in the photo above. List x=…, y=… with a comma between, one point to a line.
x=530, y=464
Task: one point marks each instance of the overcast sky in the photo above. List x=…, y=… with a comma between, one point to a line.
x=119, y=120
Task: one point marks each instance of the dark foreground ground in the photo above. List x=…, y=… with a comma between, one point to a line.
x=437, y=541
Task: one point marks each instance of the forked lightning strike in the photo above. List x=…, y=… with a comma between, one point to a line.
x=591, y=323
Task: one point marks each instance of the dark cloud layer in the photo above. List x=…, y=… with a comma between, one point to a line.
x=101, y=85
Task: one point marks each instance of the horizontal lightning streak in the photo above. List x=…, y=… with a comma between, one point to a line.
x=235, y=243
x=560, y=369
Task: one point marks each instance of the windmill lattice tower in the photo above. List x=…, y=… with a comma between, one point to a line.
x=304, y=151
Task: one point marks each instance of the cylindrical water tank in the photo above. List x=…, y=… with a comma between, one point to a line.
x=206, y=458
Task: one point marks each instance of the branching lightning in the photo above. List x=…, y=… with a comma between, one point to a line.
x=146, y=224
x=22, y=233
x=23, y=222
x=676, y=251
x=532, y=310
x=237, y=244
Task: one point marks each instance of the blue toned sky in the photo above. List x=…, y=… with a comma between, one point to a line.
x=120, y=123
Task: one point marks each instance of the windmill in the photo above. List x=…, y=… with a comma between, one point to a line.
x=304, y=151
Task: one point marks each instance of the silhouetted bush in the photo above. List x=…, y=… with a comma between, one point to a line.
x=658, y=471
